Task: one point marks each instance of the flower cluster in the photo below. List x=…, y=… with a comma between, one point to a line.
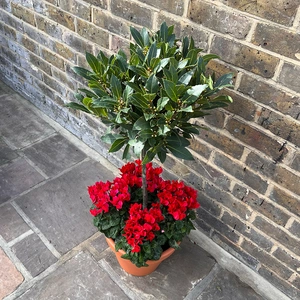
x=117, y=208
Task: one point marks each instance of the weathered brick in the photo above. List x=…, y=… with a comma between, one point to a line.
x=63, y=50
x=243, y=56
x=295, y=228
x=132, y=11
x=55, y=85
x=31, y=68
x=9, y=20
x=296, y=281
x=241, y=173
x=261, y=92
x=217, y=225
x=40, y=63
x=222, y=142
x=8, y=32
x=267, y=260
x=112, y=24
x=219, y=19
x=234, y=222
x=227, y=200
x=287, y=179
x=193, y=179
x=173, y=6
x=22, y=73
x=289, y=76
x=10, y=55
x=281, y=284
x=99, y=3
x=62, y=77
x=36, y=35
x=211, y=206
x=283, y=13
x=219, y=68
x=49, y=27
x=43, y=88
x=257, y=139
x=92, y=33
x=277, y=39
x=197, y=145
x=22, y=13
x=76, y=8
x=52, y=58
x=209, y=173
x=118, y=43
x=277, y=234
x=288, y=259
x=241, y=106
x=296, y=162
x=261, y=205
x=76, y=42
x=217, y=118
x=28, y=43
x=260, y=164
x=62, y=17
x=291, y=203
x=235, y=250
x=281, y=126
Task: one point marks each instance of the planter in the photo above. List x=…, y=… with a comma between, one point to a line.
x=132, y=269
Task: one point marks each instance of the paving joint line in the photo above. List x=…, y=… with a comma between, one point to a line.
x=20, y=238
x=36, y=230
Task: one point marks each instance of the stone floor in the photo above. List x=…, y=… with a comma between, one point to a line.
x=49, y=248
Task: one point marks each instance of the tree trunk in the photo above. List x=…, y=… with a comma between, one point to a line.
x=144, y=182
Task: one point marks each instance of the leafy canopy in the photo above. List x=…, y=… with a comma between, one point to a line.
x=149, y=99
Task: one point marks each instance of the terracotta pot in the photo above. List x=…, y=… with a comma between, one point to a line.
x=131, y=268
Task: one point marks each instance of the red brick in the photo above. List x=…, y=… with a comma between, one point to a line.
x=255, y=61
x=257, y=139
x=219, y=19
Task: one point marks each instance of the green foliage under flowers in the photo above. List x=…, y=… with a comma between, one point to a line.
x=149, y=99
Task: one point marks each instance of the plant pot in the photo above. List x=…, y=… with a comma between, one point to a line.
x=131, y=268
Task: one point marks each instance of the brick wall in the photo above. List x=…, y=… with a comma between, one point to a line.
x=247, y=167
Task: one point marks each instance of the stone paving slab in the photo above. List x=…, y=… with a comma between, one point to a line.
x=21, y=134
x=227, y=286
x=11, y=224
x=10, y=277
x=80, y=278
x=60, y=207
x=33, y=254
x=17, y=177
x=173, y=279
x=6, y=153
x=54, y=155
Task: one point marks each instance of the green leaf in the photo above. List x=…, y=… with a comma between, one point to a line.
x=170, y=89
x=161, y=65
x=186, y=77
x=187, y=109
x=224, y=81
x=182, y=63
x=88, y=93
x=164, y=32
x=141, y=124
x=77, y=106
x=138, y=70
x=152, y=84
x=139, y=100
x=106, y=102
x=79, y=97
x=177, y=140
x=180, y=152
x=151, y=53
x=116, y=86
x=117, y=144
x=93, y=62
x=145, y=36
x=161, y=103
x=137, y=37
x=126, y=154
x=162, y=155
x=185, y=46
x=99, y=92
x=193, y=93
x=84, y=73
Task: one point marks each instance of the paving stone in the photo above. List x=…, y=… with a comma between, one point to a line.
x=6, y=153
x=79, y=278
x=175, y=276
x=100, y=243
x=10, y=277
x=33, y=254
x=60, y=208
x=227, y=286
x=17, y=177
x=11, y=224
x=19, y=125
x=54, y=155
